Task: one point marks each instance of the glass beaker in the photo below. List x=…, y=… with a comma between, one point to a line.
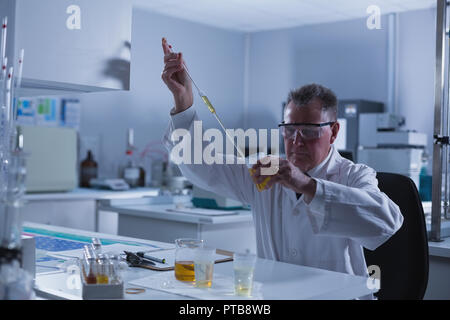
x=204, y=267
x=243, y=266
x=184, y=258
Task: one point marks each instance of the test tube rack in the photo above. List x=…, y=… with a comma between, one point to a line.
x=100, y=291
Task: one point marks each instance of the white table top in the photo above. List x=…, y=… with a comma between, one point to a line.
x=96, y=194
x=280, y=281
x=159, y=211
x=439, y=249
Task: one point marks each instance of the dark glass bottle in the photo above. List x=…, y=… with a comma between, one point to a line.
x=141, y=177
x=88, y=170
x=131, y=170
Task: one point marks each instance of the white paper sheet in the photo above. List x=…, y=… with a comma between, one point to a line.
x=222, y=287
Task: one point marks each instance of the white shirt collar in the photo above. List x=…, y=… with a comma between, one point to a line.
x=314, y=171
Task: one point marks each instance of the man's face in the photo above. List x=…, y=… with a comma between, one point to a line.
x=307, y=154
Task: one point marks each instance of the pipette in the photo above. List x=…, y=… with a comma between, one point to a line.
x=209, y=105
x=18, y=82
x=4, y=66
x=213, y=111
x=8, y=94
x=3, y=39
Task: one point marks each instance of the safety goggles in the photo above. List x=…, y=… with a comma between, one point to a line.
x=308, y=131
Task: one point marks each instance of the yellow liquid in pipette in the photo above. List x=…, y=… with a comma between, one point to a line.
x=260, y=186
x=208, y=104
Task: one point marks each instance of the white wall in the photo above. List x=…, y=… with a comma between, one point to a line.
x=215, y=60
x=344, y=56
x=271, y=77
x=417, y=59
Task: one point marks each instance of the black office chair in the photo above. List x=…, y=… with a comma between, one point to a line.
x=403, y=258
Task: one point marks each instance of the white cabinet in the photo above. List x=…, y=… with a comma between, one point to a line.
x=70, y=45
x=78, y=209
x=76, y=213
x=79, y=214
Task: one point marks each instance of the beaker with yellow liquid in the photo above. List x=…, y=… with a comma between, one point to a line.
x=184, y=258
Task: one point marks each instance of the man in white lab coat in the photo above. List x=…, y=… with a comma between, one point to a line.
x=319, y=209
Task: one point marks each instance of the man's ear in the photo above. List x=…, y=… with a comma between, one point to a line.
x=334, y=132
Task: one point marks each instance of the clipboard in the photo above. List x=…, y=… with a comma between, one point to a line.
x=228, y=257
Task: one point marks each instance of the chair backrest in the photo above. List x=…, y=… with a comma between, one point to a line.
x=403, y=258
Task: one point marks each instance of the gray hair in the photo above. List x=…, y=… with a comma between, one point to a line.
x=304, y=95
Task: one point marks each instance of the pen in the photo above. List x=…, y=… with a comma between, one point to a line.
x=148, y=261
x=146, y=256
x=137, y=260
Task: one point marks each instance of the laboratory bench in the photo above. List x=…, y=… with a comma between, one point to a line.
x=273, y=280
x=154, y=218
x=139, y=212
x=142, y=213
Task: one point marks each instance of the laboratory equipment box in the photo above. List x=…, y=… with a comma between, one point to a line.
x=402, y=138
x=51, y=166
x=70, y=45
x=349, y=112
x=405, y=161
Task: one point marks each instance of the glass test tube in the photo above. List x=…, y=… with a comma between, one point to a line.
x=102, y=270
x=116, y=274
x=91, y=274
x=90, y=266
x=114, y=277
x=97, y=245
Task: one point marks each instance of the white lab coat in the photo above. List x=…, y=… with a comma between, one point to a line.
x=347, y=213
